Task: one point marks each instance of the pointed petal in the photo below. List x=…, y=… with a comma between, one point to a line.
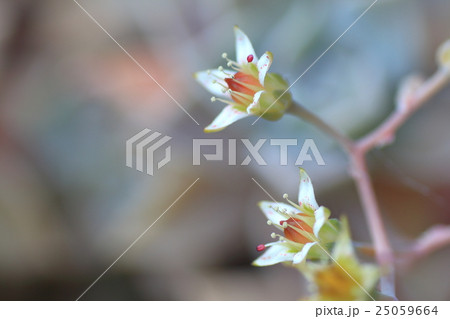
x=263, y=66
x=243, y=47
x=268, y=209
x=207, y=78
x=301, y=256
x=343, y=247
x=228, y=116
x=275, y=254
x=321, y=215
x=306, y=191
x=253, y=108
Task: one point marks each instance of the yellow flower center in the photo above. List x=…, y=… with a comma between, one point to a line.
x=335, y=284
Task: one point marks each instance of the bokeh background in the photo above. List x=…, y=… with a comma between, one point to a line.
x=70, y=98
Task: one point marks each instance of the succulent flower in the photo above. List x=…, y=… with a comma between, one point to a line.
x=305, y=226
x=342, y=277
x=247, y=88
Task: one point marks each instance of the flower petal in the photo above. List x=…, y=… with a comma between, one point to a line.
x=343, y=247
x=243, y=47
x=275, y=254
x=322, y=214
x=268, y=208
x=300, y=256
x=228, y=116
x=306, y=192
x=253, y=108
x=263, y=66
x=212, y=80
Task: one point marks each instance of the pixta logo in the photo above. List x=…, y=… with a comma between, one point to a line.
x=307, y=149
x=141, y=149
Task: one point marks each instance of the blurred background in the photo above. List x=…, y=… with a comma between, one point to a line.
x=70, y=98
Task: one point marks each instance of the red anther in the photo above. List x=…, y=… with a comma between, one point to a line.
x=260, y=247
x=250, y=58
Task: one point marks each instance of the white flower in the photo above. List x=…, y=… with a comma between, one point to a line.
x=304, y=226
x=247, y=88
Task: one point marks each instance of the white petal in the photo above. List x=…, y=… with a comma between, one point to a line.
x=243, y=47
x=207, y=78
x=321, y=215
x=300, y=256
x=253, y=108
x=228, y=116
x=275, y=254
x=306, y=191
x=263, y=66
x=272, y=215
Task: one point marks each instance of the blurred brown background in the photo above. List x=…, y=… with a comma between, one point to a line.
x=70, y=97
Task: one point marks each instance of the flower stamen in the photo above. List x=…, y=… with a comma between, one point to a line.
x=286, y=197
x=221, y=69
x=221, y=84
x=230, y=63
x=283, y=212
x=281, y=238
x=214, y=99
x=248, y=86
x=247, y=96
x=260, y=247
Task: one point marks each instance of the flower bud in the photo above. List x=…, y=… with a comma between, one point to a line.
x=276, y=99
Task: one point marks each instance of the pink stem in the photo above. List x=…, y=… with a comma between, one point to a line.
x=387, y=129
x=383, y=250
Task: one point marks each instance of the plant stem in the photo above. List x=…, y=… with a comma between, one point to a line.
x=432, y=239
x=387, y=129
x=383, y=250
x=299, y=111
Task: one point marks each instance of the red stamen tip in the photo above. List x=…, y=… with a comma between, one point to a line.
x=250, y=58
x=260, y=247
